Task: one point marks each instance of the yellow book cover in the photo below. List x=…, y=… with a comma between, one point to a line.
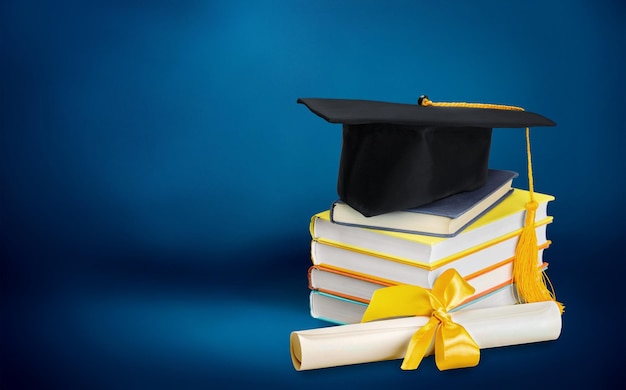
x=499, y=224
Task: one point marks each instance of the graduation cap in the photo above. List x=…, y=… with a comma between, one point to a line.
x=398, y=156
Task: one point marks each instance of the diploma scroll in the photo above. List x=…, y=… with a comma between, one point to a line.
x=388, y=339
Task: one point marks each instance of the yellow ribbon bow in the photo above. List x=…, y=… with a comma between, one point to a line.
x=454, y=347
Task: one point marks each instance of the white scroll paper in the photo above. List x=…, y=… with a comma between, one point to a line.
x=388, y=339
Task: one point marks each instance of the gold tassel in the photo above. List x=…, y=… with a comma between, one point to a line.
x=530, y=281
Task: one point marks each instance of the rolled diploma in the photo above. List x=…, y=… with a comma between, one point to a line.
x=388, y=339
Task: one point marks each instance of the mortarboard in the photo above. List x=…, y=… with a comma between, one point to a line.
x=399, y=156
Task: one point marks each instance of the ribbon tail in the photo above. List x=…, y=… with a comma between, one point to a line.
x=398, y=301
x=454, y=347
x=419, y=345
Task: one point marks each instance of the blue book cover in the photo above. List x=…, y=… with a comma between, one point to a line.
x=446, y=217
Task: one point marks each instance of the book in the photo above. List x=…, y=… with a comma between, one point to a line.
x=341, y=311
x=398, y=270
x=360, y=288
x=443, y=218
x=503, y=221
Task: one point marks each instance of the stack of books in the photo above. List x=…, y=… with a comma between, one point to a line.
x=475, y=232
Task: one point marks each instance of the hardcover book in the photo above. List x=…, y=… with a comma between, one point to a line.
x=443, y=218
x=361, y=287
x=342, y=311
x=503, y=221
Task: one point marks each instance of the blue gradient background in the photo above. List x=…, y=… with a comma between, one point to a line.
x=158, y=178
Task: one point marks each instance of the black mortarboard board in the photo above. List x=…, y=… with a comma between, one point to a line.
x=398, y=156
